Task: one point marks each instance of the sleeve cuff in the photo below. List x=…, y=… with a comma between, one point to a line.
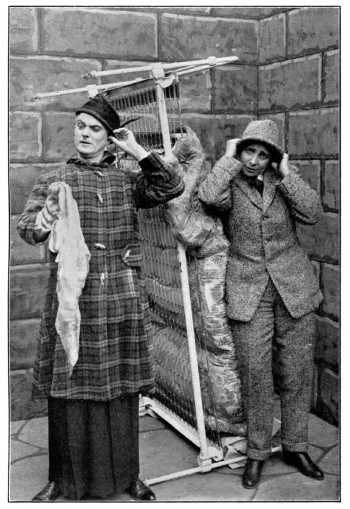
x=144, y=155
x=288, y=183
x=142, y=158
x=151, y=162
x=229, y=165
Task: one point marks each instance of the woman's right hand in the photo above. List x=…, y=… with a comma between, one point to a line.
x=231, y=147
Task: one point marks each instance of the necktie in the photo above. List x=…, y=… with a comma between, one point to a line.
x=258, y=184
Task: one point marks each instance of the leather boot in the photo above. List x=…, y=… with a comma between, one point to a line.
x=50, y=492
x=302, y=462
x=139, y=491
x=252, y=473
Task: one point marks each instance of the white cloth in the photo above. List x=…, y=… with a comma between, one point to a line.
x=39, y=224
x=73, y=266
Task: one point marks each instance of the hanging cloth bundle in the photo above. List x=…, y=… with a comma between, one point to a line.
x=73, y=266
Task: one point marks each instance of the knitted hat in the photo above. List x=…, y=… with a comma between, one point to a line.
x=99, y=108
x=262, y=131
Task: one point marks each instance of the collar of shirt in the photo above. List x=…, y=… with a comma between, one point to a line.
x=252, y=179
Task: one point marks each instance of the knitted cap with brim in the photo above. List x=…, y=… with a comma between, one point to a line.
x=99, y=108
x=262, y=131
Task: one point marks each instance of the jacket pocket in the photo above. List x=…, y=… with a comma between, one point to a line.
x=131, y=255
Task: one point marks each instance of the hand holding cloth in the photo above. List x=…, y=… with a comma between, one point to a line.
x=73, y=266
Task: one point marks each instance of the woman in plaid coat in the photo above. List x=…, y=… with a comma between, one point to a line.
x=93, y=414
x=271, y=289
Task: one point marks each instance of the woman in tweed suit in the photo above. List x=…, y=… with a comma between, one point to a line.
x=93, y=414
x=271, y=289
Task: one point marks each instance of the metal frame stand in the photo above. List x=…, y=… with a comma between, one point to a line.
x=208, y=452
x=204, y=458
x=216, y=458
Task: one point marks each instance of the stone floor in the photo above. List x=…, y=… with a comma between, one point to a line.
x=164, y=451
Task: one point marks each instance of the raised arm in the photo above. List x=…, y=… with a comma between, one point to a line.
x=158, y=182
x=215, y=189
x=304, y=202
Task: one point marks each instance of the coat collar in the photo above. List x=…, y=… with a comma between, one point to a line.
x=108, y=158
x=263, y=202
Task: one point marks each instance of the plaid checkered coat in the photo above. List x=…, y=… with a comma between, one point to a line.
x=115, y=355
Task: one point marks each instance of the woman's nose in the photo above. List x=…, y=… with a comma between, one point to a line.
x=254, y=159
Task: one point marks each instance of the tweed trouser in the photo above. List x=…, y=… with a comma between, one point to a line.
x=294, y=339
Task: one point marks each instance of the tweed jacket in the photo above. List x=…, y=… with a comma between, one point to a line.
x=263, y=238
x=115, y=356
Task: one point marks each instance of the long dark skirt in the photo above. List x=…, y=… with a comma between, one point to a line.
x=93, y=445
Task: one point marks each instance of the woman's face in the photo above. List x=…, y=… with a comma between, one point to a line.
x=255, y=158
x=90, y=137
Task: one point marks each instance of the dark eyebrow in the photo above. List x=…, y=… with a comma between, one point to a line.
x=265, y=153
x=89, y=125
x=251, y=147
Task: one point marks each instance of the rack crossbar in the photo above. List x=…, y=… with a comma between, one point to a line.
x=185, y=68
x=212, y=61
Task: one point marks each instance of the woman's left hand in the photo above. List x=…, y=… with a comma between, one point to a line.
x=283, y=167
x=124, y=139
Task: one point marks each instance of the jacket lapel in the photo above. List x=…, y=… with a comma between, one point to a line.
x=249, y=190
x=270, y=179
x=262, y=202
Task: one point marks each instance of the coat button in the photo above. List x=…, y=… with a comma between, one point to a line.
x=101, y=247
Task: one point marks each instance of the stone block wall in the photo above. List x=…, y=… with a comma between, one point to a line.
x=299, y=85
x=51, y=48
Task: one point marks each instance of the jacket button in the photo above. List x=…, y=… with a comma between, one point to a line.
x=101, y=247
